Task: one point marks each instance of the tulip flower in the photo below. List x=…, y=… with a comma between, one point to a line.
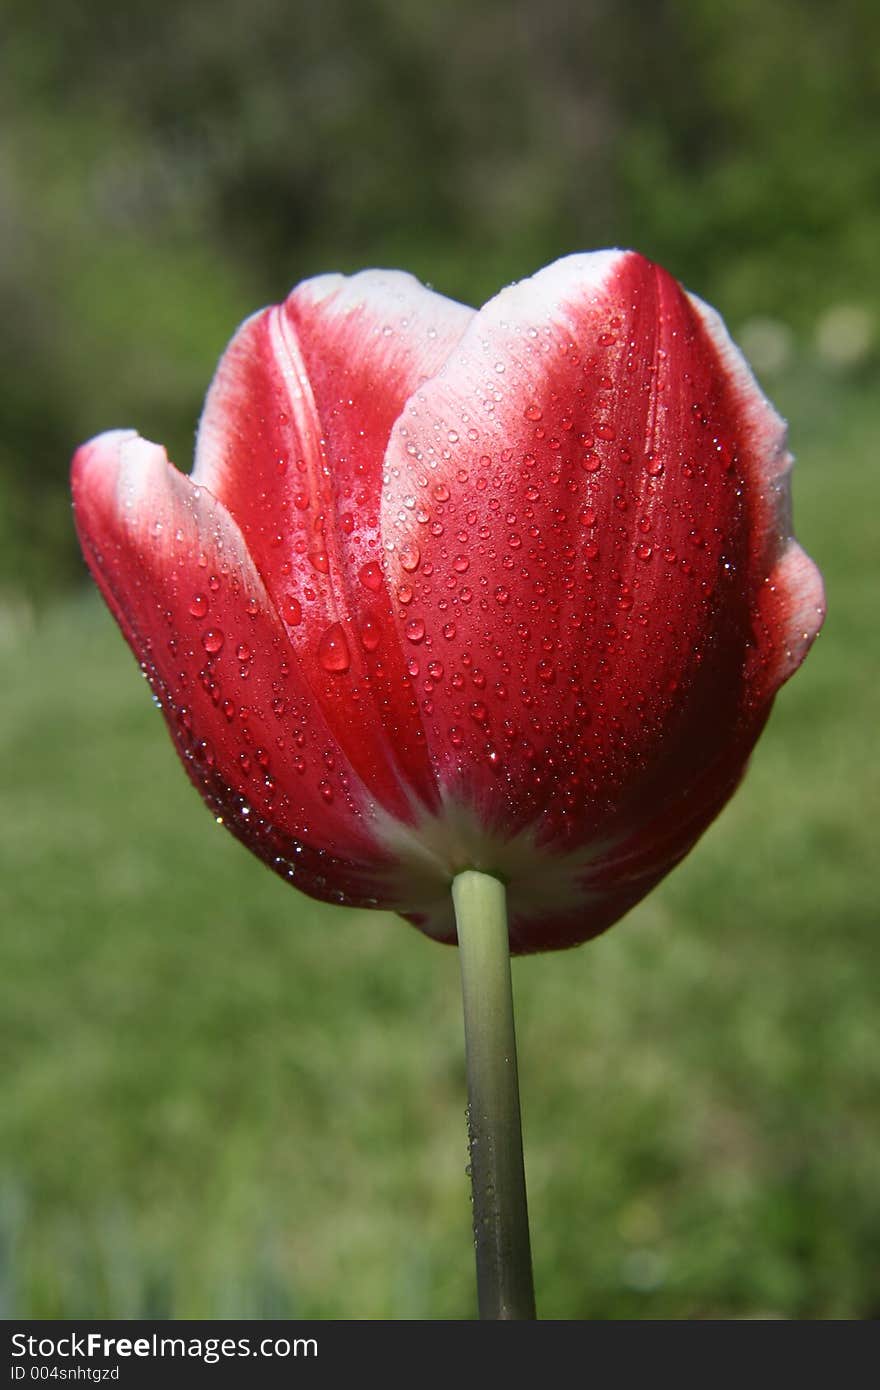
x=456, y=597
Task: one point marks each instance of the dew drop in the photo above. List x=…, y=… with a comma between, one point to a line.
x=213, y=640
x=435, y=670
x=533, y=412
x=198, y=606
x=319, y=561
x=461, y=564
x=370, y=576
x=333, y=652
x=449, y=631
x=291, y=610
x=415, y=630
x=546, y=672
x=653, y=466
x=243, y=651
x=410, y=555
x=370, y=634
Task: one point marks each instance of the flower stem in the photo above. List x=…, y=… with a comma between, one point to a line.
x=501, y=1224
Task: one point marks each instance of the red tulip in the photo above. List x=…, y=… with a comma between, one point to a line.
x=512, y=589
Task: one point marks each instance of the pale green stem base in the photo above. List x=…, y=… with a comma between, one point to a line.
x=501, y=1223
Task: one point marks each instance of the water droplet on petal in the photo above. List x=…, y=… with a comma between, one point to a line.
x=370, y=576
x=333, y=652
x=291, y=610
x=212, y=640
x=415, y=630
x=410, y=555
x=199, y=606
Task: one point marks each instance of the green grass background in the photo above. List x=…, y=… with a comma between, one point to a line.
x=223, y=1100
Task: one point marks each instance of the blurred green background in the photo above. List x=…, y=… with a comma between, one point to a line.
x=218, y=1098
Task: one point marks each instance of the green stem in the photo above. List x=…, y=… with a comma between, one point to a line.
x=501, y=1223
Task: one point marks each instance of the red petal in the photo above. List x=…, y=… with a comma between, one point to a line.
x=292, y=442
x=176, y=572
x=603, y=494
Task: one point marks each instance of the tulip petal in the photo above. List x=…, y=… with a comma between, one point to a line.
x=607, y=599
x=791, y=601
x=176, y=572
x=292, y=441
